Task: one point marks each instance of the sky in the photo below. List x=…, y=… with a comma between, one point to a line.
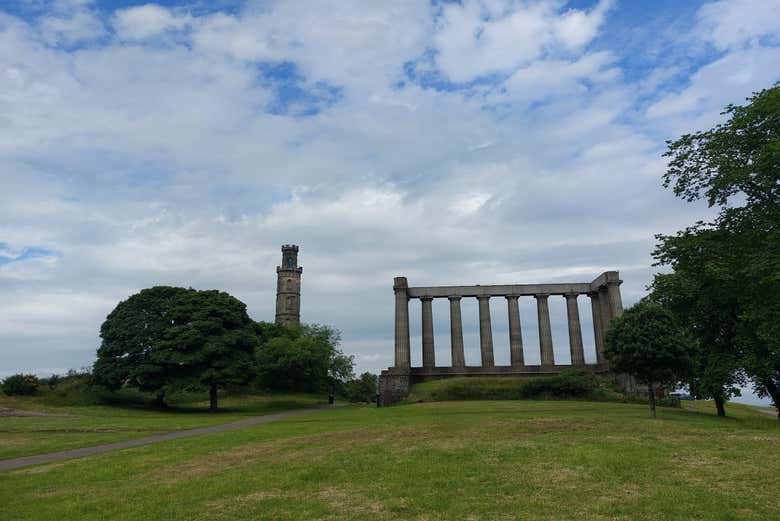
x=454, y=143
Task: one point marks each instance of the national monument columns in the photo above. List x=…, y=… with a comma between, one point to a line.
x=606, y=304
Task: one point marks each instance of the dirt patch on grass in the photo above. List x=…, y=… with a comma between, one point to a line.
x=6, y=411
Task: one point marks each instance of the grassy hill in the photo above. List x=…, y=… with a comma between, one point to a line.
x=58, y=421
x=428, y=461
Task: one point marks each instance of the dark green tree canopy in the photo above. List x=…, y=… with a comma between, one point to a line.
x=165, y=337
x=648, y=343
x=301, y=358
x=740, y=156
x=735, y=166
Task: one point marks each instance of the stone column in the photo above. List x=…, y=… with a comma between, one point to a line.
x=402, y=352
x=485, y=332
x=515, y=334
x=545, y=334
x=615, y=300
x=428, y=353
x=606, y=314
x=595, y=308
x=575, y=330
x=456, y=333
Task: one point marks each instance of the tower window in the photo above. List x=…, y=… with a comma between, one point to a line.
x=289, y=284
x=289, y=263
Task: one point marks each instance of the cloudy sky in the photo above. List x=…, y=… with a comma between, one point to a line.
x=473, y=142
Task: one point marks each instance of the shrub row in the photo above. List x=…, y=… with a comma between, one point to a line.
x=569, y=384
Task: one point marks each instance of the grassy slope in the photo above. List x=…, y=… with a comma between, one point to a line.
x=79, y=426
x=450, y=460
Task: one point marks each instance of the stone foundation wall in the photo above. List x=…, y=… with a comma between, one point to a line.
x=393, y=387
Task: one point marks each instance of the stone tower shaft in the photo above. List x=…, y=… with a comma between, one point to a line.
x=288, y=287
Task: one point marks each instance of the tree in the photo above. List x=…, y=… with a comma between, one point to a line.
x=131, y=336
x=736, y=167
x=165, y=337
x=210, y=342
x=301, y=358
x=20, y=385
x=648, y=343
x=361, y=389
x=700, y=292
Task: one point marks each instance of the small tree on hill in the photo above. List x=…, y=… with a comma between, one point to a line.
x=648, y=343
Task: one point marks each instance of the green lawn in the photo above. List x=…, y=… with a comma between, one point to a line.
x=431, y=461
x=80, y=426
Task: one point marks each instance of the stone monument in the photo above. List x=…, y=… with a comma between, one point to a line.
x=606, y=304
x=288, y=287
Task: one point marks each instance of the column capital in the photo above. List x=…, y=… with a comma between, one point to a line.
x=454, y=297
x=571, y=295
x=614, y=282
x=483, y=297
x=542, y=296
x=592, y=293
x=510, y=297
x=400, y=284
x=424, y=299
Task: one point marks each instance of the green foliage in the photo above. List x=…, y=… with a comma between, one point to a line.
x=571, y=383
x=648, y=343
x=20, y=385
x=738, y=157
x=301, y=358
x=166, y=338
x=362, y=388
x=736, y=166
x=132, y=332
x=702, y=292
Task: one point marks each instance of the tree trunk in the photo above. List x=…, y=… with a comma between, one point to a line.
x=213, y=398
x=774, y=393
x=720, y=405
x=159, y=400
x=651, y=397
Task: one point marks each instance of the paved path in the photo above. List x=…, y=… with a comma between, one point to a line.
x=13, y=463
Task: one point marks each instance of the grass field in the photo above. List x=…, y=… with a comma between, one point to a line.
x=431, y=461
x=59, y=428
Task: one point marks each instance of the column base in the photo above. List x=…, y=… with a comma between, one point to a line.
x=393, y=386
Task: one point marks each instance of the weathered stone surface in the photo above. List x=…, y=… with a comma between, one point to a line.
x=515, y=333
x=288, y=287
x=606, y=304
x=575, y=330
x=485, y=332
x=456, y=333
x=545, y=331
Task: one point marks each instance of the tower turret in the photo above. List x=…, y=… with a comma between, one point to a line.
x=288, y=287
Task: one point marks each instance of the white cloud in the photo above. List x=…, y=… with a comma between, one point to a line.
x=75, y=27
x=729, y=79
x=730, y=24
x=151, y=158
x=476, y=38
x=147, y=21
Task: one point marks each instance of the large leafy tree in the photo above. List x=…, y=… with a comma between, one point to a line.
x=700, y=292
x=210, y=342
x=131, y=335
x=735, y=166
x=648, y=343
x=301, y=358
x=165, y=337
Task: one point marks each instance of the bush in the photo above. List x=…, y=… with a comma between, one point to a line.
x=361, y=389
x=571, y=383
x=20, y=385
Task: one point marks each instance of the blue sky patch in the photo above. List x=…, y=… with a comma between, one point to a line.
x=292, y=95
